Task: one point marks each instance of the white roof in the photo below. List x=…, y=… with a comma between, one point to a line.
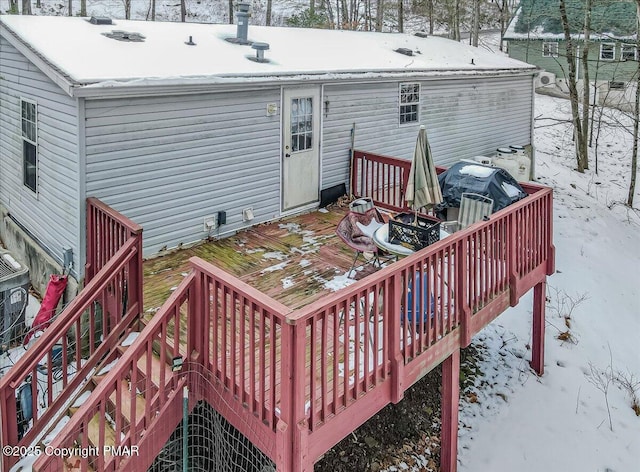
x=84, y=56
x=538, y=33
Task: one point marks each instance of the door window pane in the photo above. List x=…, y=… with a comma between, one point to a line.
x=301, y=124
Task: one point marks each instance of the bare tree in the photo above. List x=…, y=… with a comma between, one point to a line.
x=475, y=26
x=586, y=86
x=230, y=12
x=636, y=117
x=183, y=10
x=379, y=12
x=26, y=7
x=13, y=6
x=127, y=9
x=580, y=136
x=70, y=7
x=503, y=8
x=401, y=16
x=83, y=7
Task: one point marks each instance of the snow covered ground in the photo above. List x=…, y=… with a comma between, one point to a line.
x=514, y=420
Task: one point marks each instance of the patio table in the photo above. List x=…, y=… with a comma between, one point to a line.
x=381, y=239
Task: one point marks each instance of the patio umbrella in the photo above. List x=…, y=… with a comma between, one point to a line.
x=423, y=189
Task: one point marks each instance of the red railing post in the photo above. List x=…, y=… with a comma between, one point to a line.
x=300, y=425
x=285, y=426
x=8, y=426
x=512, y=258
x=393, y=317
x=450, y=400
x=90, y=249
x=537, y=350
x=462, y=307
x=551, y=251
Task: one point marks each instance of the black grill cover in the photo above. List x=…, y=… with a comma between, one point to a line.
x=498, y=185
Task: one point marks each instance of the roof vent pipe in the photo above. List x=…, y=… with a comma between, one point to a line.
x=243, y=16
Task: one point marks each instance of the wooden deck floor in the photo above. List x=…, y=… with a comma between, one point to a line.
x=295, y=260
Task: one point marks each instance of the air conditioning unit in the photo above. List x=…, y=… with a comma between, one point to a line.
x=544, y=79
x=14, y=296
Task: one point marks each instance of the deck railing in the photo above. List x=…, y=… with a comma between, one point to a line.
x=140, y=394
x=107, y=231
x=59, y=361
x=382, y=178
x=297, y=382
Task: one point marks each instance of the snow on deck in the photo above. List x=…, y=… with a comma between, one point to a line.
x=81, y=51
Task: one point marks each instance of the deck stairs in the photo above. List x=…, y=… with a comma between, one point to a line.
x=118, y=408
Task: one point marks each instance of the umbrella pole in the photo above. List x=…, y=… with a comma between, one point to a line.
x=353, y=140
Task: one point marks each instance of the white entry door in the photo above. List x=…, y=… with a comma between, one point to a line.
x=301, y=148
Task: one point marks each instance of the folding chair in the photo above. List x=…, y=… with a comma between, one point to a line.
x=473, y=208
x=356, y=230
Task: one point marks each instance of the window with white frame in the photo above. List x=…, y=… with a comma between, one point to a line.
x=409, y=103
x=29, y=124
x=550, y=49
x=628, y=52
x=607, y=51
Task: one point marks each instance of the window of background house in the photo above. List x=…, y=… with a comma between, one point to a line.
x=615, y=85
x=550, y=49
x=28, y=111
x=409, y=103
x=628, y=52
x=607, y=51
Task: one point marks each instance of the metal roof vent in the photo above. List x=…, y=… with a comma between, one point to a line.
x=243, y=16
x=260, y=49
x=100, y=20
x=125, y=36
x=405, y=51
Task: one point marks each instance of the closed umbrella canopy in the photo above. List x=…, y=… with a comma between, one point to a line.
x=423, y=189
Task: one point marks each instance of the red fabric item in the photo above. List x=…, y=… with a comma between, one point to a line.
x=55, y=288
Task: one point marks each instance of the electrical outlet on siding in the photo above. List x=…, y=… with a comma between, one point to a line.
x=210, y=223
x=247, y=214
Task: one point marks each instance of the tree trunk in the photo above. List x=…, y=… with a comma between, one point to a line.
x=83, y=7
x=504, y=21
x=401, y=16
x=456, y=20
x=153, y=10
x=127, y=9
x=270, y=6
x=26, y=7
x=70, y=7
x=634, y=154
x=312, y=7
x=573, y=90
x=475, y=29
x=230, y=12
x=379, y=11
x=586, y=88
x=430, y=11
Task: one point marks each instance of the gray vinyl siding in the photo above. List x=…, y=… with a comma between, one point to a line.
x=464, y=118
x=53, y=215
x=168, y=162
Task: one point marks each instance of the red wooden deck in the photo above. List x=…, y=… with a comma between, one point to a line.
x=297, y=379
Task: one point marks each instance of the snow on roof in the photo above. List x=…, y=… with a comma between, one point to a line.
x=538, y=32
x=81, y=52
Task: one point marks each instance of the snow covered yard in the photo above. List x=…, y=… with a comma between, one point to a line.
x=514, y=420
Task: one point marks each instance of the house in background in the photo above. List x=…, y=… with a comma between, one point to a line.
x=535, y=35
x=194, y=132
